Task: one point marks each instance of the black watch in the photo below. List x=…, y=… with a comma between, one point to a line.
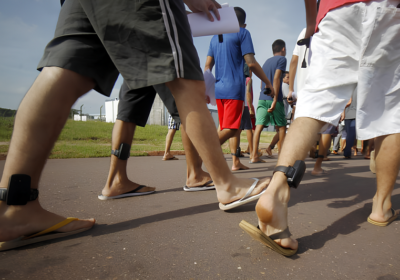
x=293, y=173
x=19, y=190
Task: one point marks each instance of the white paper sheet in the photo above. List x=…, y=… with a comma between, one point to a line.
x=209, y=80
x=202, y=26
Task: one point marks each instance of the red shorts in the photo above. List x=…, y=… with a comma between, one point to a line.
x=253, y=122
x=229, y=113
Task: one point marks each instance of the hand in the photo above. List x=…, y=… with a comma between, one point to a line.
x=290, y=98
x=251, y=109
x=272, y=108
x=342, y=117
x=198, y=6
x=208, y=101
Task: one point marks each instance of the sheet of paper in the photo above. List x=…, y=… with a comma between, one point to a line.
x=209, y=80
x=202, y=26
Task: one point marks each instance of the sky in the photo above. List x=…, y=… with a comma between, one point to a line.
x=26, y=26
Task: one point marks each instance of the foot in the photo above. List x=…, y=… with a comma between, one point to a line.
x=199, y=181
x=272, y=210
x=269, y=151
x=239, y=166
x=238, y=189
x=121, y=186
x=17, y=221
x=319, y=172
x=382, y=216
x=168, y=156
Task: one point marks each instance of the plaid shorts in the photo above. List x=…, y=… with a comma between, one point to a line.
x=172, y=124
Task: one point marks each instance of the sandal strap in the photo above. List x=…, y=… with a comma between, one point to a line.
x=250, y=189
x=280, y=235
x=53, y=228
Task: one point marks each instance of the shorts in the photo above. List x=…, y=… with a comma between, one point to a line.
x=330, y=130
x=149, y=42
x=135, y=105
x=229, y=113
x=245, y=123
x=276, y=118
x=357, y=46
x=172, y=124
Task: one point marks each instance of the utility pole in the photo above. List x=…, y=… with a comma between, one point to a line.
x=81, y=111
x=100, y=113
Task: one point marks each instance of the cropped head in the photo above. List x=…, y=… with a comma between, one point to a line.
x=286, y=77
x=279, y=46
x=241, y=16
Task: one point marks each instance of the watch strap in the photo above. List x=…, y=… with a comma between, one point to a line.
x=33, y=195
x=281, y=168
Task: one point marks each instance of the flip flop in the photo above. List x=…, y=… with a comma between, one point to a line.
x=48, y=234
x=203, y=187
x=383, y=224
x=257, y=234
x=127, y=194
x=260, y=161
x=173, y=158
x=323, y=173
x=246, y=199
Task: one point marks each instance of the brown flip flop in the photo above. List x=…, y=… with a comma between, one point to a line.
x=384, y=224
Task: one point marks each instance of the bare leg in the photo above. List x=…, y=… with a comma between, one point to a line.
x=249, y=134
x=39, y=121
x=387, y=151
x=256, y=142
x=272, y=205
x=234, y=143
x=323, y=149
x=195, y=175
x=226, y=134
x=168, y=143
x=274, y=141
x=117, y=181
x=282, y=134
x=199, y=125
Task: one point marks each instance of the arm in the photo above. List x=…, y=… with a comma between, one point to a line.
x=249, y=97
x=277, y=86
x=348, y=103
x=257, y=70
x=311, y=17
x=292, y=76
x=209, y=63
x=197, y=6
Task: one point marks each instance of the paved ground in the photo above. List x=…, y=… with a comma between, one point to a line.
x=178, y=235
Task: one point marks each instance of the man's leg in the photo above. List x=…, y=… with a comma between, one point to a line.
x=39, y=121
x=271, y=145
x=168, y=143
x=256, y=142
x=387, y=158
x=324, y=141
x=272, y=205
x=249, y=134
x=225, y=134
x=282, y=134
x=189, y=97
x=234, y=144
x=117, y=181
x=196, y=177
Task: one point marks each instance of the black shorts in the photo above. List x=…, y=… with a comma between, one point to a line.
x=148, y=41
x=246, y=123
x=135, y=105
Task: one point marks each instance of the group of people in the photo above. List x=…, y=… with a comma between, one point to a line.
x=354, y=50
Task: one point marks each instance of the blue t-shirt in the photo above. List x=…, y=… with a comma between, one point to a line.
x=228, y=57
x=269, y=67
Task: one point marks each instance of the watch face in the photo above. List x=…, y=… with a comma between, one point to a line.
x=19, y=189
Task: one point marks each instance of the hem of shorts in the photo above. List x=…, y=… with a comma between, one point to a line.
x=376, y=135
x=317, y=118
x=139, y=123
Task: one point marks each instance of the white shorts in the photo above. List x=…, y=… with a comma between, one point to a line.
x=357, y=45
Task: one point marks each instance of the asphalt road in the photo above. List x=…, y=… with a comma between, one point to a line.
x=174, y=234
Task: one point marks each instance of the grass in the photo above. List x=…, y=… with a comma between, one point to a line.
x=93, y=139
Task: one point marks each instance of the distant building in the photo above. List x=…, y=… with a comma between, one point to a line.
x=158, y=114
